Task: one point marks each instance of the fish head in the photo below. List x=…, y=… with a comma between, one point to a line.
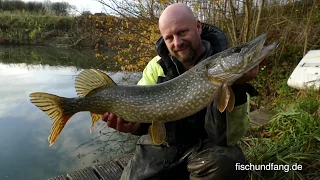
x=231, y=64
x=249, y=55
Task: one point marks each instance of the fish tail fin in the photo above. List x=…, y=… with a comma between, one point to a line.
x=53, y=106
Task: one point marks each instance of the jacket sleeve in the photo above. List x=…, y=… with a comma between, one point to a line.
x=151, y=72
x=149, y=77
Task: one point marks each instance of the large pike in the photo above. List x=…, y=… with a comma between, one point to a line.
x=208, y=81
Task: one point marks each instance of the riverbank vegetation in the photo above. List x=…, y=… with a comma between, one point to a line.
x=130, y=31
x=43, y=23
x=291, y=138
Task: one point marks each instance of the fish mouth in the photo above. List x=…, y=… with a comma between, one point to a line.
x=255, y=46
x=268, y=49
x=260, y=40
x=239, y=60
x=250, y=53
x=262, y=54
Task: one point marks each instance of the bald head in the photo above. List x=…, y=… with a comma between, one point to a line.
x=174, y=13
x=181, y=32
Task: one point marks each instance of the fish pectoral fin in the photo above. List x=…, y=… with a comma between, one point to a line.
x=223, y=98
x=91, y=79
x=95, y=118
x=232, y=99
x=157, y=133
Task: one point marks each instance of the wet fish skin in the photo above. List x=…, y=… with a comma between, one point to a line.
x=169, y=101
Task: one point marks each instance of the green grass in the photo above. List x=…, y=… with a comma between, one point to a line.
x=292, y=136
x=30, y=28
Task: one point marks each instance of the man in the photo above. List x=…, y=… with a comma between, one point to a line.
x=204, y=145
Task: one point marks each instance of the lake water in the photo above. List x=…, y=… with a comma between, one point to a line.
x=25, y=152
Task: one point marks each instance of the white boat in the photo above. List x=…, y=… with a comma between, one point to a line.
x=307, y=73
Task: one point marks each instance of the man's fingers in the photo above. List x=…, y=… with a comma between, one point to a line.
x=105, y=117
x=253, y=73
x=124, y=126
x=248, y=76
x=111, y=120
x=264, y=62
x=111, y=116
x=120, y=124
x=128, y=127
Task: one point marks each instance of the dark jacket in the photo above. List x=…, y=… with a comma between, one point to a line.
x=190, y=129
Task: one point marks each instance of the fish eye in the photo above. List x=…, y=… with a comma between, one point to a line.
x=237, y=49
x=205, y=67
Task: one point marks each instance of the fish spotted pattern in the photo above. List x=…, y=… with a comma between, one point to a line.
x=208, y=81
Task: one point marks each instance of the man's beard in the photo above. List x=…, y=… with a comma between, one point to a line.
x=189, y=57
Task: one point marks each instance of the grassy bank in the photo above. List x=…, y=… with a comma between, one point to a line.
x=292, y=136
x=25, y=28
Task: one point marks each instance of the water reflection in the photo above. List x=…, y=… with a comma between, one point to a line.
x=25, y=151
x=31, y=55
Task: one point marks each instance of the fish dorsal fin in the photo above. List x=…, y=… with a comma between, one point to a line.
x=91, y=79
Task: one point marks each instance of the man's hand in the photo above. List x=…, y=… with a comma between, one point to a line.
x=248, y=76
x=252, y=73
x=119, y=124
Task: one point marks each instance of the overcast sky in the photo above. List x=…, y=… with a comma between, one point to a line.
x=82, y=5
